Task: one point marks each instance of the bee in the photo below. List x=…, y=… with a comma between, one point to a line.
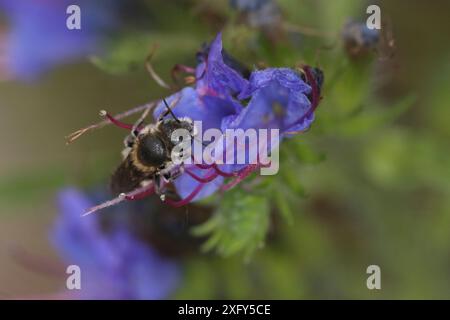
x=147, y=156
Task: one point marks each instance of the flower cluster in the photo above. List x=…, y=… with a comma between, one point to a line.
x=114, y=263
x=273, y=98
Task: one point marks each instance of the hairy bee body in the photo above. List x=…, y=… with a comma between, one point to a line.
x=147, y=155
x=127, y=177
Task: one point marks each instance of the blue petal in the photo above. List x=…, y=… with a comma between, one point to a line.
x=278, y=100
x=208, y=109
x=214, y=75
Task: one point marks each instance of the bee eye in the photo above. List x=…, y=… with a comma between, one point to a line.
x=152, y=151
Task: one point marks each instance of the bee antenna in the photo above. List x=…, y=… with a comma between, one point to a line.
x=170, y=111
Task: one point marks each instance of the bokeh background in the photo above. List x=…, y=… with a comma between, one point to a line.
x=368, y=184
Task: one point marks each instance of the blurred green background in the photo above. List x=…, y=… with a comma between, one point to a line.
x=371, y=179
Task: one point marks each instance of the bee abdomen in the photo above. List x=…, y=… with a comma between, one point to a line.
x=127, y=177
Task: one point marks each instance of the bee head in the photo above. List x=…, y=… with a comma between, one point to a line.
x=151, y=150
x=168, y=126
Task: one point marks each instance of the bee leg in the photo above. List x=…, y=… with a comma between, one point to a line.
x=241, y=175
x=159, y=187
x=167, y=177
x=138, y=124
x=156, y=183
x=173, y=172
x=129, y=141
x=149, y=190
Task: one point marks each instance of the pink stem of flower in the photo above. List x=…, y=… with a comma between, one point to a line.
x=315, y=90
x=186, y=200
x=116, y=122
x=181, y=68
x=206, y=179
x=199, y=165
x=203, y=166
x=216, y=168
x=241, y=175
x=223, y=173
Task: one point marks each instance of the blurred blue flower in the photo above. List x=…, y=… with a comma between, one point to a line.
x=37, y=37
x=359, y=39
x=248, y=5
x=114, y=264
x=258, y=13
x=278, y=98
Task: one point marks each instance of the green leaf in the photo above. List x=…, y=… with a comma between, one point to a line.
x=284, y=207
x=377, y=117
x=304, y=153
x=128, y=53
x=239, y=225
x=352, y=87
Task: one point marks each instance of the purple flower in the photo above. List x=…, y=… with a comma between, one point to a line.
x=113, y=263
x=38, y=38
x=209, y=108
x=273, y=88
x=214, y=76
x=278, y=98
